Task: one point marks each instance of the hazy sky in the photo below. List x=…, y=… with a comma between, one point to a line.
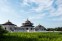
x=45, y=12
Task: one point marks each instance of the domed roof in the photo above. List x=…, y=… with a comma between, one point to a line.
x=9, y=23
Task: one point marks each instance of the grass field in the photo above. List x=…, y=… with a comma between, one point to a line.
x=36, y=36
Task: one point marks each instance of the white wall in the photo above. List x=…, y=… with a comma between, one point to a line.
x=21, y=29
x=8, y=27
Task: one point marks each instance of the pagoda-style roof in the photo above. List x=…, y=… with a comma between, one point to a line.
x=40, y=26
x=27, y=24
x=8, y=23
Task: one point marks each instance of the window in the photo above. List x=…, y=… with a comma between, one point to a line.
x=5, y=28
x=11, y=29
x=31, y=28
x=26, y=28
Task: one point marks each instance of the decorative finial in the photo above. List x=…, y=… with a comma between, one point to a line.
x=27, y=19
x=8, y=20
x=39, y=24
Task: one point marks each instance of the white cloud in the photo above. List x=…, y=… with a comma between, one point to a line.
x=42, y=4
x=7, y=12
x=39, y=16
x=58, y=11
x=47, y=5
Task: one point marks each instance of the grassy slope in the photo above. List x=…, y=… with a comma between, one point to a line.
x=37, y=36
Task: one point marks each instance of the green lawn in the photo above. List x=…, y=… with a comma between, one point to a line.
x=36, y=36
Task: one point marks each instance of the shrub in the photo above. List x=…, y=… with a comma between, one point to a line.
x=2, y=31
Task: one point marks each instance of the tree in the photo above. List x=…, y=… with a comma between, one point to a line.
x=50, y=29
x=58, y=29
x=2, y=31
x=55, y=29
